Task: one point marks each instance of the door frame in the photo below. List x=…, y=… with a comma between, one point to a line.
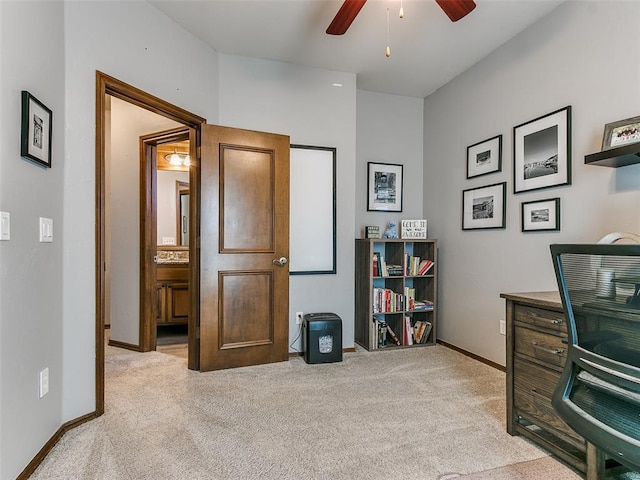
x=107, y=85
x=148, y=229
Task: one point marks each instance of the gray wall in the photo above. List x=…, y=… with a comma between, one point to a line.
x=389, y=130
x=578, y=55
x=31, y=314
x=302, y=103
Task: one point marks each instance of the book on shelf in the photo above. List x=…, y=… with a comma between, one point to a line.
x=411, y=265
x=381, y=332
x=422, y=305
x=422, y=330
x=408, y=331
x=394, y=270
x=393, y=335
x=376, y=264
x=383, y=267
x=409, y=298
x=424, y=267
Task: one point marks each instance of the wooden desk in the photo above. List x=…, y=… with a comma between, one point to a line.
x=536, y=354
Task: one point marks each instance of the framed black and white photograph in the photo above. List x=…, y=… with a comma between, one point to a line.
x=384, y=187
x=484, y=207
x=36, y=130
x=622, y=132
x=542, y=152
x=484, y=157
x=541, y=215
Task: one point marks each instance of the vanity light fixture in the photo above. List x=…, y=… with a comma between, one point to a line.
x=178, y=159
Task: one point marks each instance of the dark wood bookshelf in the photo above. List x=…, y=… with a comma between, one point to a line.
x=425, y=286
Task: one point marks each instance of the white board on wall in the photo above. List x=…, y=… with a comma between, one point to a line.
x=312, y=215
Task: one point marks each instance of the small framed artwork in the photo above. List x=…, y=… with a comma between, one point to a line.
x=484, y=207
x=484, y=157
x=541, y=215
x=384, y=187
x=623, y=132
x=36, y=130
x=542, y=152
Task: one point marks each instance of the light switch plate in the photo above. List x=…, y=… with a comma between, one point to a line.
x=5, y=226
x=46, y=230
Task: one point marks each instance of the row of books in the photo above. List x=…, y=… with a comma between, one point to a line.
x=413, y=266
x=413, y=333
x=386, y=300
x=380, y=268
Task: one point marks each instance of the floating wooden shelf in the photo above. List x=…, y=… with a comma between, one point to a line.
x=615, y=157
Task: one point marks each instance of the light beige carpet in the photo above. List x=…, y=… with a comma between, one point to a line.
x=423, y=413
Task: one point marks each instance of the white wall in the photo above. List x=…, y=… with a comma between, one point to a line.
x=128, y=124
x=302, y=103
x=575, y=56
x=31, y=315
x=389, y=130
x=136, y=43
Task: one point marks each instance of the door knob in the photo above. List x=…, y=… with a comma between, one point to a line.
x=282, y=261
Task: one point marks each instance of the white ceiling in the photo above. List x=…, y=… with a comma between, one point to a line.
x=427, y=49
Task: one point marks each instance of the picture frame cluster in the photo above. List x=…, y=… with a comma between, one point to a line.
x=541, y=160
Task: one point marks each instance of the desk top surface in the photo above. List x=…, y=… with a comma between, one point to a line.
x=540, y=299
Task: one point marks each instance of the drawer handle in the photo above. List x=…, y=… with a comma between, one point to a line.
x=553, y=351
x=554, y=321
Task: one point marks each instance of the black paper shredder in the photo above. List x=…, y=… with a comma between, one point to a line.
x=322, y=337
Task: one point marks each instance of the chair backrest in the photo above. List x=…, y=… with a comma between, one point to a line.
x=598, y=394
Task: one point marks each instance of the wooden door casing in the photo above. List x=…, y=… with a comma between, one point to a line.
x=244, y=228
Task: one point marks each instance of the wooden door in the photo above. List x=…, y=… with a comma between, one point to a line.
x=244, y=284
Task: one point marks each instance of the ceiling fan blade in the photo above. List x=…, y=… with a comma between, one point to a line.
x=456, y=9
x=345, y=16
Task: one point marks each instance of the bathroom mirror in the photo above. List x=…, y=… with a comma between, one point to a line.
x=172, y=191
x=182, y=213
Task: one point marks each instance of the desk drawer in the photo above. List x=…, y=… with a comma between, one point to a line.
x=539, y=317
x=541, y=346
x=535, y=378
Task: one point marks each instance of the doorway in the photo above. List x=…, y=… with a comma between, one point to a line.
x=108, y=86
x=238, y=238
x=164, y=240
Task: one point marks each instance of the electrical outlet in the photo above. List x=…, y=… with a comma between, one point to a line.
x=503, y=327
x=44, y=382
x=299, y=316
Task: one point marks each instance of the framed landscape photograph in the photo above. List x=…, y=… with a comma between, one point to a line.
x=620, y=133
x=384, y=187
x=484, y=157
x=541, y=215
x=484, y=207
x=36, y=130
x=542, y=152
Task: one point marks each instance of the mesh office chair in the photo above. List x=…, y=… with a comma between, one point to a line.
x=598, y=394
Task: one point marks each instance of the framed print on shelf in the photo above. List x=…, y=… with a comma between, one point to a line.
x=484, y=207
x=540, y=215
x=36, y=128
x=384, y=187
x=622, y=132
x=542, y=152
x=484, y=157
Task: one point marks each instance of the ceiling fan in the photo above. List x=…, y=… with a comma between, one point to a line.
x=455, y=10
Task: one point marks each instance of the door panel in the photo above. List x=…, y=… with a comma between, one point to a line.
x=244, y=301
x=246, y=180
x=247, y=316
